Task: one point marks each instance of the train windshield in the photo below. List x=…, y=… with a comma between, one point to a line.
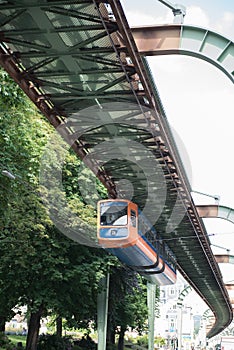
x=113, y=214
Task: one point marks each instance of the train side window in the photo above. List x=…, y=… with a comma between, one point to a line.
x=133, y=218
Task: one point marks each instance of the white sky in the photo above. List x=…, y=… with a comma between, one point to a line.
x=197, y=98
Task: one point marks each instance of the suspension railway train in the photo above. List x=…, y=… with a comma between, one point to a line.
x=126, y=233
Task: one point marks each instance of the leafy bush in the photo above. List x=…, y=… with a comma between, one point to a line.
x=110, y=347
x=86, y=342
x=142, y=340
x=5, y=343
x=53, y=342
x=159, y=341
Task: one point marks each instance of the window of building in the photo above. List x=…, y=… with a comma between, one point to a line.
x=172, y=291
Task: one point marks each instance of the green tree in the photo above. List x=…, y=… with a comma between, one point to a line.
x=23, y=133
x=18, y=128
x=40, y=267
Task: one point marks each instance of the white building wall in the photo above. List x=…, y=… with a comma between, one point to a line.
x=172, y=316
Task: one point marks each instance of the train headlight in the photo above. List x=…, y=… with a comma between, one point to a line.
x=113, y=232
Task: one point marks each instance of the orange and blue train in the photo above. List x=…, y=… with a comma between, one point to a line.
x=126, y=233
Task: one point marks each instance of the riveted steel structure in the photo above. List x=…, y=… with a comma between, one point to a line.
x=72, y=55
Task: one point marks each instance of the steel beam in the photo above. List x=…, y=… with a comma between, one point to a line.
x=187, y=40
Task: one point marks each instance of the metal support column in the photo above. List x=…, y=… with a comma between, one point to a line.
x=151, y=292
x=102, y=311
x=179, y=327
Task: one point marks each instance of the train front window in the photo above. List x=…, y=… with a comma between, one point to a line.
x=113, y=214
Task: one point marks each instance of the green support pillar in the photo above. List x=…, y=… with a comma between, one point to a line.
x=102, y=311
x=151, y=292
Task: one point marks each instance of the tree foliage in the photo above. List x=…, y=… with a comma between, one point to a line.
x=41, y=267
x=20, y=129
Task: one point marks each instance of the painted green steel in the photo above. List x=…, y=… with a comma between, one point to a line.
x=216, y=211
x=182, y=295
x=226, y=213
x=209, y=46
x=151, y=293
x=187, y=40
x=102, y=312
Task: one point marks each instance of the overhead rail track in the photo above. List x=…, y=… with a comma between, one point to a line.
x=74, y=57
